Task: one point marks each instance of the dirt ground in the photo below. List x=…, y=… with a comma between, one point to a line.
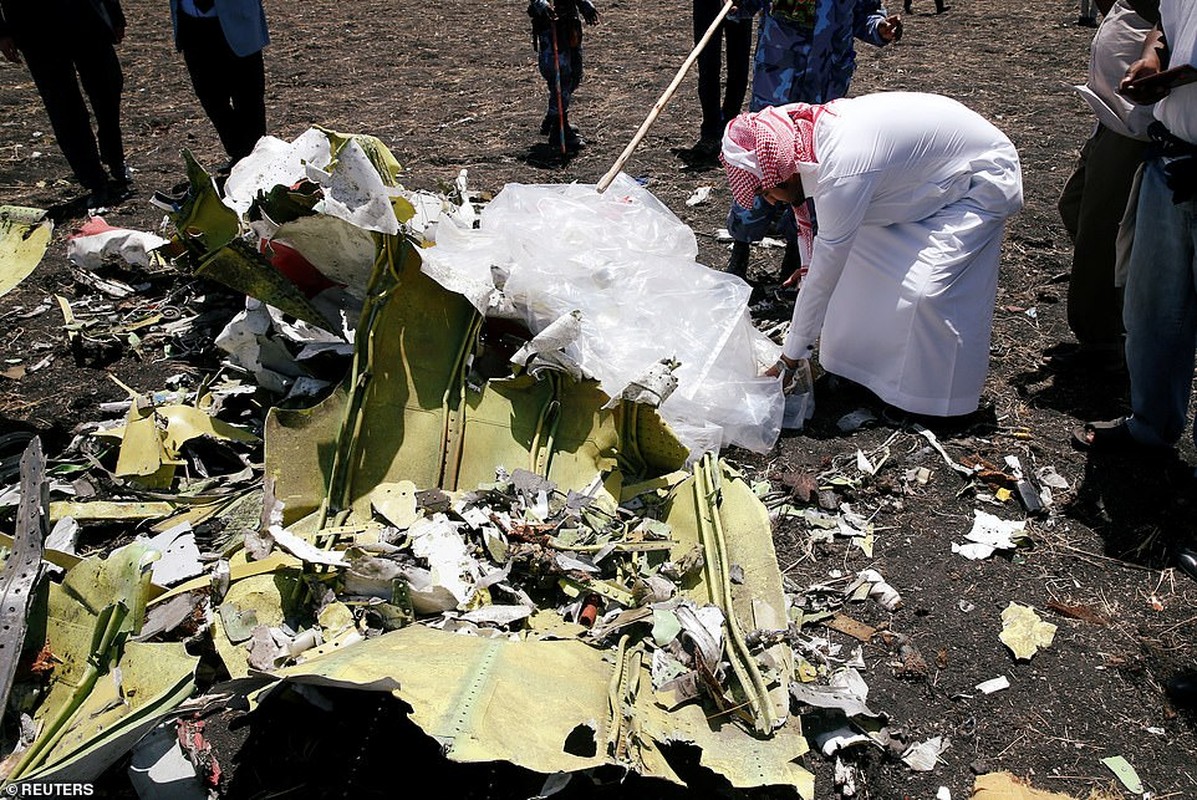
x=453, y=85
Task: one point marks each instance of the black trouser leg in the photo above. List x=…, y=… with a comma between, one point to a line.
x=710, y=64
x=53, y=71
x=739, y=53
x=231, y=89
x=103, y=81
x=248, y=98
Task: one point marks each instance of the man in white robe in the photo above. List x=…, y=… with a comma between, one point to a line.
x=912, y=193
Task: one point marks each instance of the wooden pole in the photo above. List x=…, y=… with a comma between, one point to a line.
x=557, y=75
x=665, y=96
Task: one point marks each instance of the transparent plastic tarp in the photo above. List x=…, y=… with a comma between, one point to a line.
x=628, y=264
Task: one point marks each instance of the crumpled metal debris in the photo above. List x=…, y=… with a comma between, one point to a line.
x=1024, y=632
x=24, y=236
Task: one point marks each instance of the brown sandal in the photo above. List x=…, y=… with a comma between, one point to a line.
x=1112, y=436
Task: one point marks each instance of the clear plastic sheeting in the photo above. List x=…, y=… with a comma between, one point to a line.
x=628, y=265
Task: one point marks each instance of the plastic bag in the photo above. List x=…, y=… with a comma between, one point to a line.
x=628, y=265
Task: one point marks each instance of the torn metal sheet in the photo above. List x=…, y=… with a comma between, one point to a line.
x=1125, y=773
x=105, y=690
x=152, y=439
x=496, y=681
x=158, y=769
x=23, y=566
x=24, y=236
x=416, y=412
x=923, y=756
x=845, y=690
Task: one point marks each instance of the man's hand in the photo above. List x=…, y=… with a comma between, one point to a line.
x=589, y=12
x=890, y=28
x=795, y=278
x=1143, y=94
x=541, y=8
x=9, y=49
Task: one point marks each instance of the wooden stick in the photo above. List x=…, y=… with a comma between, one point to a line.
x=665, y=96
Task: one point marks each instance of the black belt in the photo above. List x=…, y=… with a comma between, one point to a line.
x=1179, y=159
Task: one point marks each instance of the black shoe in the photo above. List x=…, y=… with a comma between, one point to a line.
x=98, y=200
x=1183, y=690
x=1087, y=22
x=573, y=140
x=941, y=8
x=738, y=263
x=1186, y=561
x=548, y=124
x=707, y=148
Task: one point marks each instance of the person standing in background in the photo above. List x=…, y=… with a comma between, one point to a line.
x=221, y=42
x=66, y=43
x=1095, y=196
x=557, y=36
x=718, y=108
x=804, y=53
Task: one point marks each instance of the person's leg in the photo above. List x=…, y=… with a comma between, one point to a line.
x=738, y=36
x=1093, y=304
x=248, y=100
x=709, y=67
x=1160, y=312
x=103, y=81
x=1069, y=204
x=210, y=63
x=53, y=72
x=573, y=71
x=548, y=70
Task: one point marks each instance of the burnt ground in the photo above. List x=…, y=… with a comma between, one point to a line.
x=453, y=86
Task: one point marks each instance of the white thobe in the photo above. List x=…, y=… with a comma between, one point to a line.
x=911, y=194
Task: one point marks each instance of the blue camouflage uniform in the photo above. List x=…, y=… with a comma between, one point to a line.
x=804, y=54
x=568, y=29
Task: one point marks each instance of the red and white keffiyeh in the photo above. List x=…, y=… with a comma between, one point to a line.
x=762, y=150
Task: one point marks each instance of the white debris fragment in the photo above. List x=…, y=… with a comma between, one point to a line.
x=877, y=588
x=990, y=533
x=180, y=556
x=923, y=756
x=1049, y=477
x=993, y=685
x=845, y=690
x=437, y=541
x=98, y=240
x=305, y=550
x=701, y=195
x=845, y=777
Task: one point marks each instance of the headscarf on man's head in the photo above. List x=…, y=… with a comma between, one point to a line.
x=762, y=150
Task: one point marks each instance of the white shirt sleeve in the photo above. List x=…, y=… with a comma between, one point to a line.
x=840, y=208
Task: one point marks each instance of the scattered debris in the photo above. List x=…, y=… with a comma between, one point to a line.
x=923, y=756
x=24, y=236
x=1005, y=786
x=990, y=533
x=1125, y=773
x=993, y=685
x=1024, y=632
